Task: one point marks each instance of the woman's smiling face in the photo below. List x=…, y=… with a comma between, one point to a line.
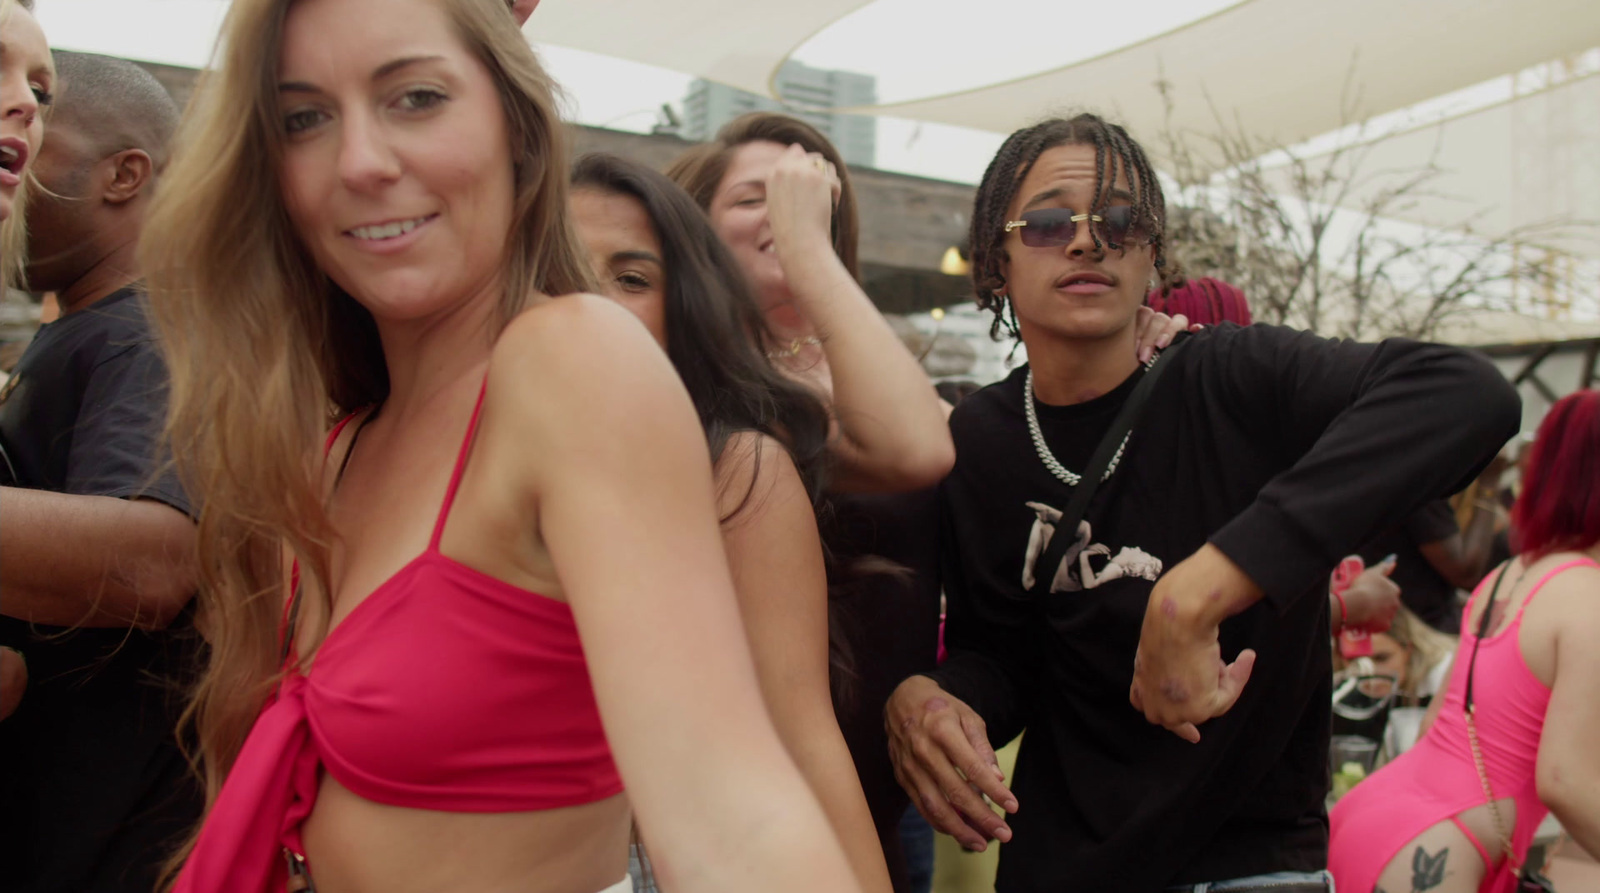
x=397, y=169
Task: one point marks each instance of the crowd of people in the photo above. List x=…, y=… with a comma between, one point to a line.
x=395, y=502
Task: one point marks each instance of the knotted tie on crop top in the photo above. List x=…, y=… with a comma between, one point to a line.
x=445, y=689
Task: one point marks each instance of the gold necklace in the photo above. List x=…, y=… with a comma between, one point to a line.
x=794, y=347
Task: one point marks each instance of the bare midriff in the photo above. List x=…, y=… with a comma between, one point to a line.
x=354, y=845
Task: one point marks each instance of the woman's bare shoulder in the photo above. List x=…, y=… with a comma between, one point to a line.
x=579, y=353
x=556, y=328
x=1575, y=588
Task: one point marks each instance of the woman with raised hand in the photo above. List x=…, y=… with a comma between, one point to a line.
x=1512, y=736
x=461, y=644
x=656, y=254
x=779, y=196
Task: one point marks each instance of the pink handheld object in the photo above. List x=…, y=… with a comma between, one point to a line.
x=1353, y=641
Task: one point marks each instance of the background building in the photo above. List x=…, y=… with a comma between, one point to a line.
x=805, y=91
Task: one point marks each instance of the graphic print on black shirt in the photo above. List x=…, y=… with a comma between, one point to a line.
x=1247, y=444
x=1077, y=570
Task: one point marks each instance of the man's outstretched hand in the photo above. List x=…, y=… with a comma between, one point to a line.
x=941, y=754
x=1179, y=677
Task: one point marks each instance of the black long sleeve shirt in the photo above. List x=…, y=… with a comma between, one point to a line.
x=1286, y=451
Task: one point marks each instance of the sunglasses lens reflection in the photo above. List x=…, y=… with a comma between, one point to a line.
x=1048, y=227
x=1052, y=227
x=1119, y=220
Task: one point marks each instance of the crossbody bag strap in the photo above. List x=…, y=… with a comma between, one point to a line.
x=1483, y=629
x=1472, y=729
x=1067, y=528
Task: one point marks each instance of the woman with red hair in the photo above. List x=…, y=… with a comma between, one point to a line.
x=1514, y=735
x=1205, y=301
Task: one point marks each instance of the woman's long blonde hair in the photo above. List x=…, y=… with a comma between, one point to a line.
x=1427, y=647
x=262, y=347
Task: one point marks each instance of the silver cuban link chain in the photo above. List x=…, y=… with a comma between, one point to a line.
x=1062, y=473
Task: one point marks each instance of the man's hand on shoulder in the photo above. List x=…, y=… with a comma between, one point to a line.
x=1179, y=677
x=941, y=754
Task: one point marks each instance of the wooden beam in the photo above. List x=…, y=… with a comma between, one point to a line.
x=1541, y=387
x=1532, y=364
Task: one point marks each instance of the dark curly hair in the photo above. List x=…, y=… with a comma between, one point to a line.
x=1114, y=150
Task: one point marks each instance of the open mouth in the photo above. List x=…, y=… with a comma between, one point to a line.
x=393, y=229
x=13, y=158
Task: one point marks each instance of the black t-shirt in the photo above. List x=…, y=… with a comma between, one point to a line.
x=93, y=783
x=1428, y=595
x=886, y=552
x=1284, y=450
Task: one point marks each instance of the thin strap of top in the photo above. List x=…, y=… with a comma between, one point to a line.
x=461, y=466
x=1564, y=566
x=292, y=604
x=333, y=436
x=1548, y=576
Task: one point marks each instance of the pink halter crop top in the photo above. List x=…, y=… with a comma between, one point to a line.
x=445, y=689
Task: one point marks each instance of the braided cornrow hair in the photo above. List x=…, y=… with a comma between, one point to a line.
x=1114, y=150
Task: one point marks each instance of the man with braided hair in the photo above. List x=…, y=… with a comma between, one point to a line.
x=1177, y=721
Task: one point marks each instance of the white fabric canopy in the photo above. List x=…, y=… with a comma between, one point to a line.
x=735, y=42
x=1282, y=71
x=1279, y=69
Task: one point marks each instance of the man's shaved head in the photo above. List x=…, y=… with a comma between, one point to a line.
x=114, y=105
x=103, y=151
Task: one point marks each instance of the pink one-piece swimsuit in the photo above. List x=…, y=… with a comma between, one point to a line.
x=1437, y=779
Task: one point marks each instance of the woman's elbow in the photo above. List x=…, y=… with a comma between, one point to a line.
x=930, y=463
x=1562, y=785
x=901, y=469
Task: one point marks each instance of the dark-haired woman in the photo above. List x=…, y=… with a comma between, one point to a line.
x=1533, y=674
x=656, y=254
x=778, y=195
